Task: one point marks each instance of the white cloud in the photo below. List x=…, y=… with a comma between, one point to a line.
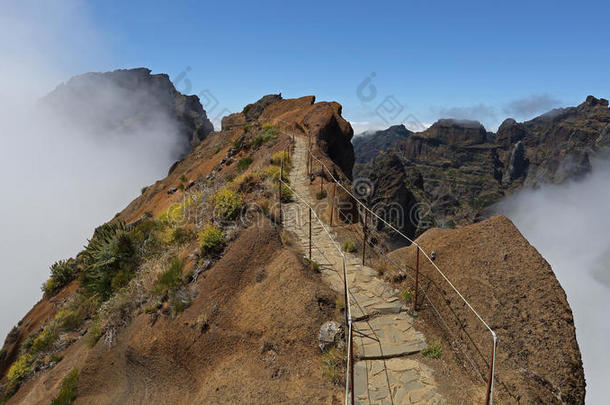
x=57, y=184
x=569, y=225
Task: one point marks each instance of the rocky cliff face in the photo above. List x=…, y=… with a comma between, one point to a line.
x=368, y=145
x=515, y=290
x=455, y=169
x=128, y=101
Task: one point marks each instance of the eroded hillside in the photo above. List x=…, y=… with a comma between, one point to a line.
x=192, y=294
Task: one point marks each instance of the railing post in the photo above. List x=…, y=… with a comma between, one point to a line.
x=489, y=399
x=366, y=215
x=345, y=296
x=309, y=156
x=351, y=361
x=280, y=185
x=332, y=204
x=309, y=233
x=416, y=280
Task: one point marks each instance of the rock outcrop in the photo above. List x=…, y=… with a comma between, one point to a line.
x=382, y=187
x=515, y=290
x=128, y=101
x=366, y=146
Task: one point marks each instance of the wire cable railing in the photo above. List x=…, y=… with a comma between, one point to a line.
x=349, y=375
x=490, y=381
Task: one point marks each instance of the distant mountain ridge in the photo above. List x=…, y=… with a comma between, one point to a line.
x=455, y=169
x=367, y=145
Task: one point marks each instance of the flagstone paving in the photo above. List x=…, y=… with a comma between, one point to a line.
x=385, y=339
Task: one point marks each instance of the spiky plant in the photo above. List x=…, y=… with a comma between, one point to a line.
x=109, y=260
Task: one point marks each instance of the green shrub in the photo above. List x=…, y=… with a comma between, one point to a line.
x=183, y=179
x=286, y=193
x=69, y=320
x=277, y=158
x=109, y=259
x=269, y=133
x=67, y=391
x=170, y=278
x=16, y=374
x=273, y=172
x=143, y=189
x=95, y=333
x=28, y=342
x=312, y=265
x=217, y=150
x=433, y=351
x=320, y=195
x=247, y=127
x=244, y=163
x=182, y=235
x=2, y=353
x=333, y=365
x=45, y=339
x=407, y=295
x=349, y=246
x=227, y=204
x=246, y=109
x=152, y=308
x=62, y=273
x=211, y=240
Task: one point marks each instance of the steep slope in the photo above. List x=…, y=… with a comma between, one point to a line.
x=516, y=291
x=199, y=287
x=122, y=102
x=455, y=169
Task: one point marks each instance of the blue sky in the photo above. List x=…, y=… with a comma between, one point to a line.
x=473, y=59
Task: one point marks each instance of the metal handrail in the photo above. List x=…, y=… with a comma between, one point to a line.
x=490, y=382
x=349, y=393
x=489, y=398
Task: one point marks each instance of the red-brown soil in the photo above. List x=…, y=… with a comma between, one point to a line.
x=515, y=290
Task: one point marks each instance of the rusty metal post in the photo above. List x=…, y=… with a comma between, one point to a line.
x=351, y=361
x=332, y=204
x=279, y=183
x=309, y=156
x=416, y=280
x=366, y=216
x=310, y=233
x=490, y=379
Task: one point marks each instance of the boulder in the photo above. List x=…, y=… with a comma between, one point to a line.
x=331, y=334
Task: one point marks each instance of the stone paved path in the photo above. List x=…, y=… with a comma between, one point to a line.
x=384, y=336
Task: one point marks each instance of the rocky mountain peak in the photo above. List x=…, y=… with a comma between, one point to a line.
x=591, y=101
x=128, y=101
x=457, y=132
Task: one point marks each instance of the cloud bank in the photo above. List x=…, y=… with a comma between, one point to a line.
x=59, y=182
x=532, y=105
x=570, y=227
